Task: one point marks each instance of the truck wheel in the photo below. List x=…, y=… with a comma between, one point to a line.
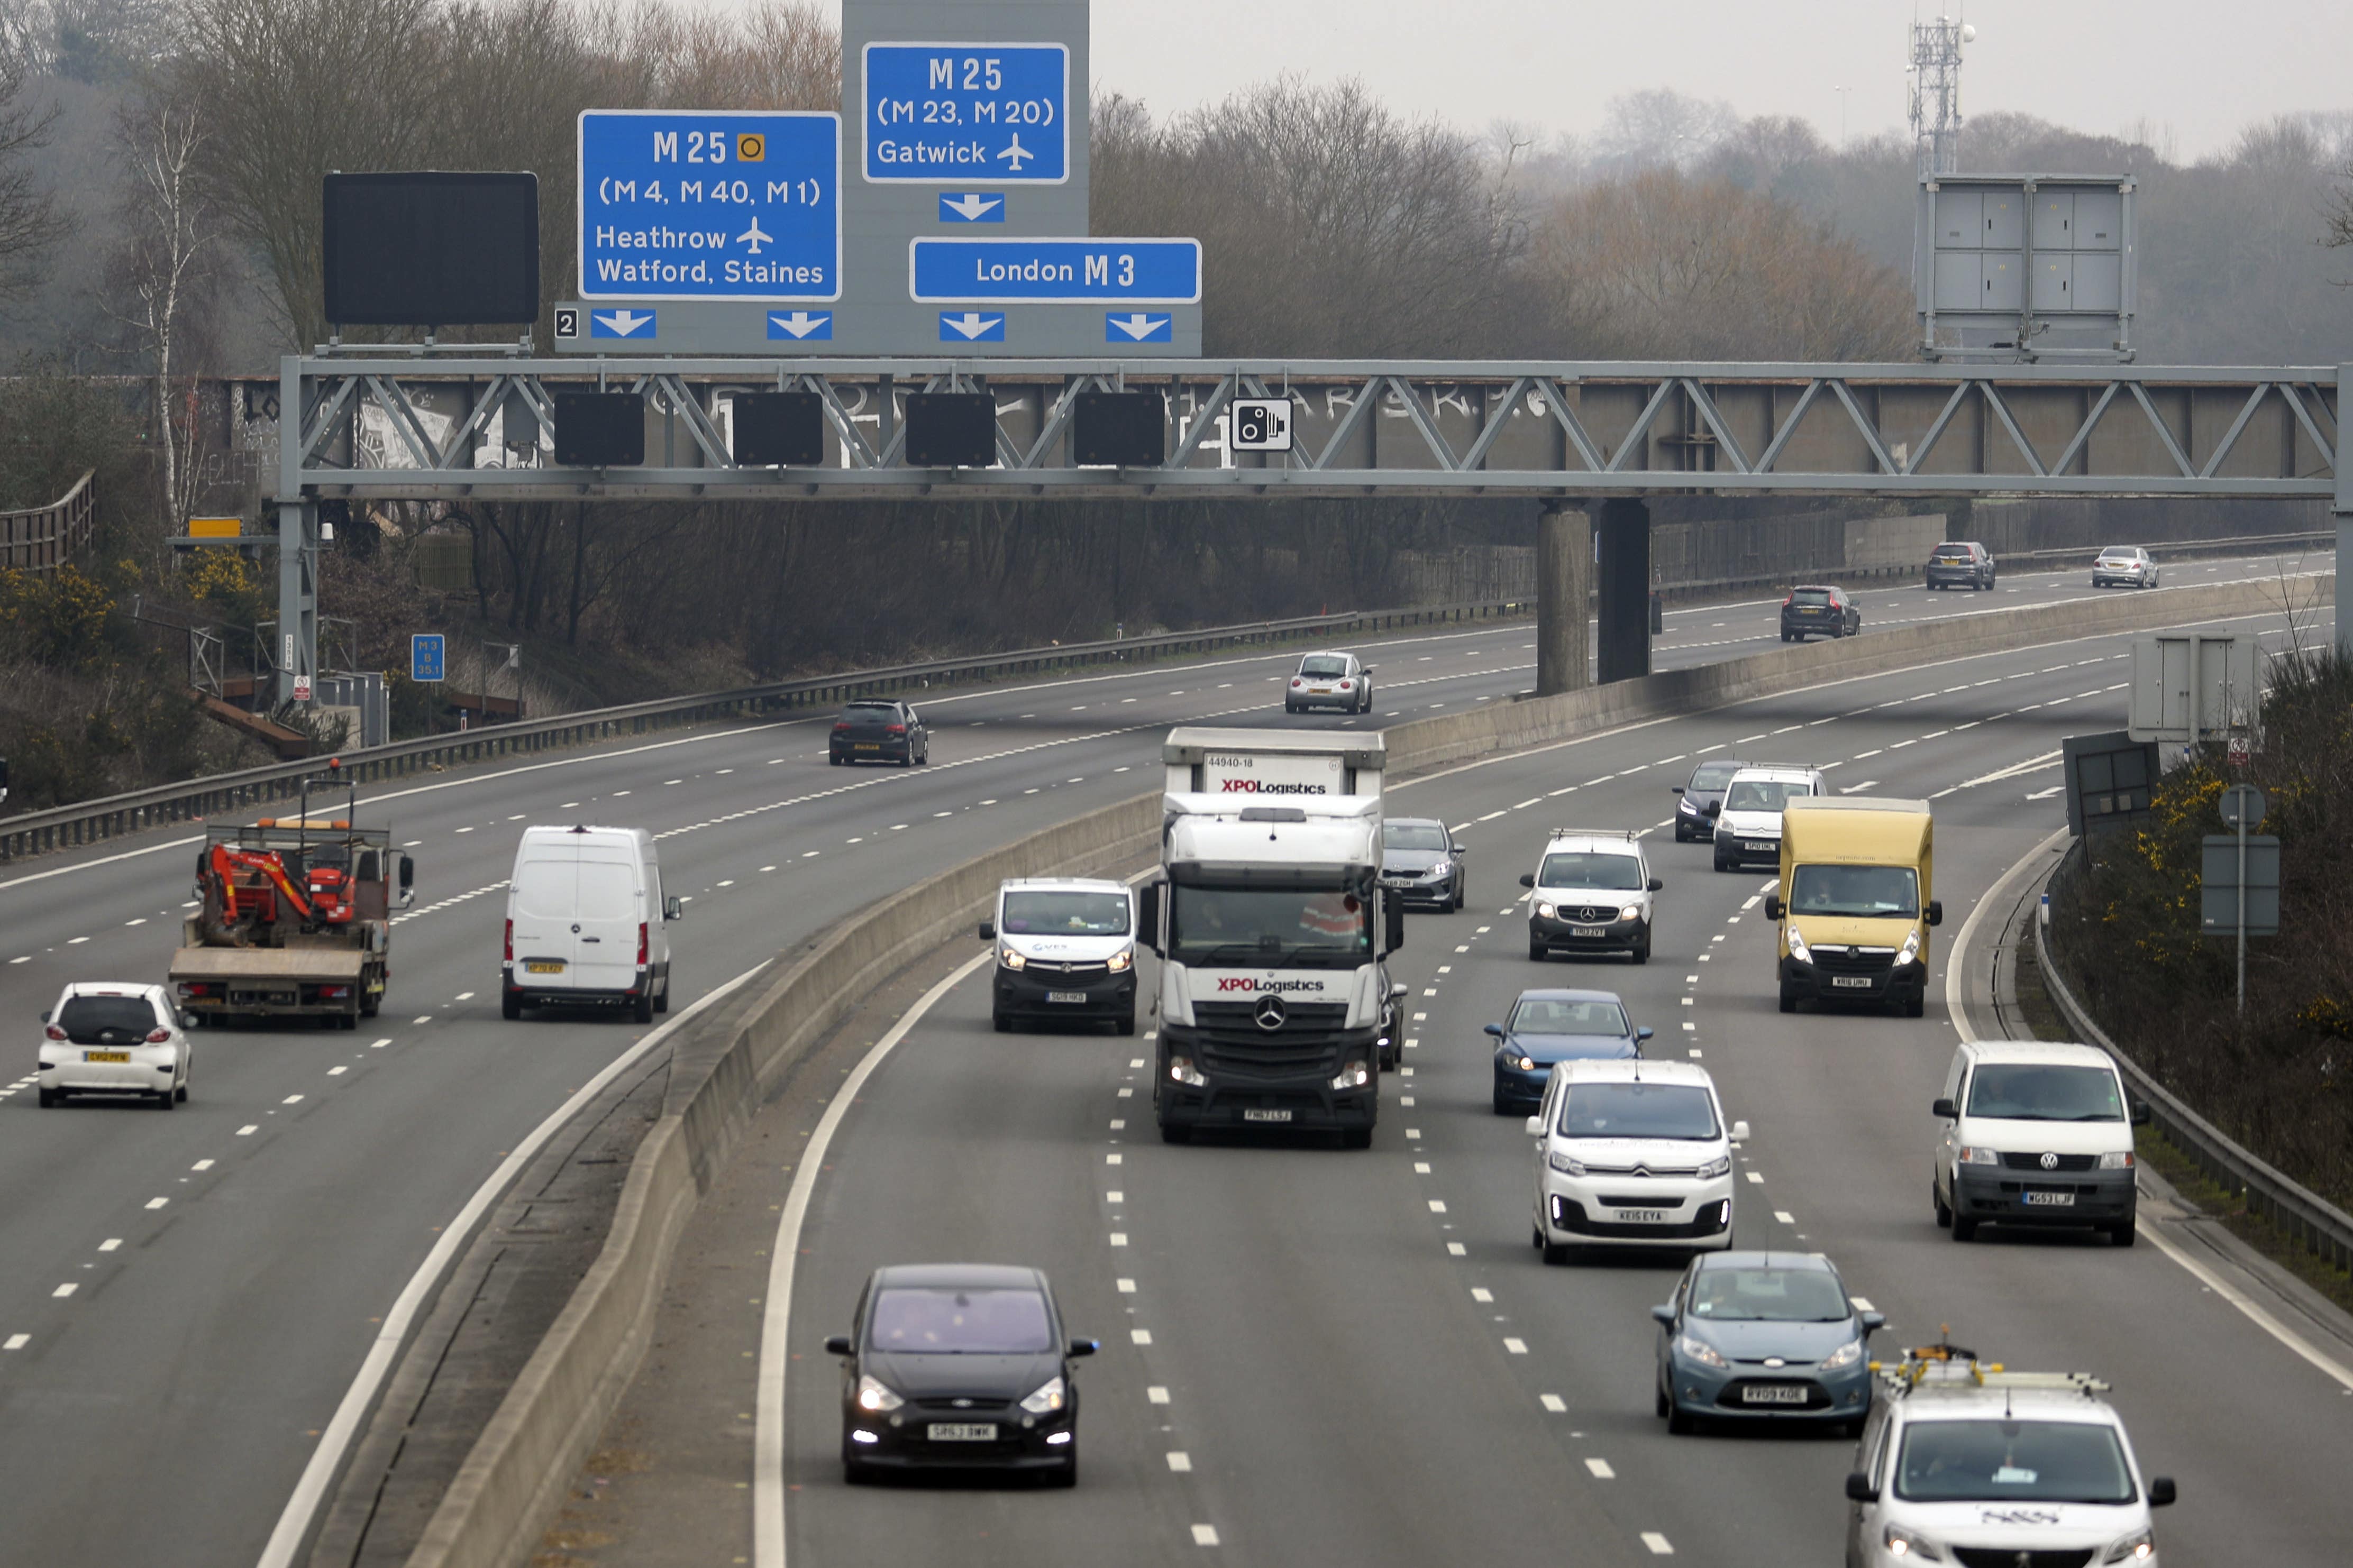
x=2121, y=1234
x=1554, y=1255
x=1536, y=950
x=1963, y=1229
x=1789, y=1000
x=643, y=1012
x=1171, y=1133
x=1917, y=1006
x=510, y=1005
x=662, y=1002
x=1642, y=954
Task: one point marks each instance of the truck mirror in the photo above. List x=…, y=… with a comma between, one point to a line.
x=1529, y=880
x=1936, y=912
x=1664, y=1313
x=1874, y=1322
x=837, y=1344
x=1535, y=1127
x=2161, y=1492
x=1656, y=885
x=2140, y=1116
x=1860, y=1489
x=187, y=1020
x=1774, y=907
x=988, y=930
x=407, y=882
x=1147, y=918
x=1740, y=1133
x=1944, y=1108
x=1395, y=910
x=673, y=909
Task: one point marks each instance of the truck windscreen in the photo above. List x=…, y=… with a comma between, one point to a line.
x=1863, y=892
x=1294, y=926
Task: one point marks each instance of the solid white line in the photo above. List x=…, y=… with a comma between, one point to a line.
x=311, y=1492
x=775, y=1324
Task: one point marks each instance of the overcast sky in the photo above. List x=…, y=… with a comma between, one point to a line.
x=2201, y=68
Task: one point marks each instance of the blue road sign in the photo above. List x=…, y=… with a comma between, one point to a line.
x=427, y=655
x=972, y=206
x=801, y=326
x=621, y=323
x=971, y=327
x=1056, y=272
x=1138, y=326
x=709, y=205
x=941, y=113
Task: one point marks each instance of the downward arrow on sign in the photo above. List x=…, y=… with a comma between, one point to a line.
x=971, y=324
x=1138, y=326
x=624, y=321
x=800, y=323
x=970, y=206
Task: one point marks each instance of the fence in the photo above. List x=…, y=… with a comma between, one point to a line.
x=44, y=538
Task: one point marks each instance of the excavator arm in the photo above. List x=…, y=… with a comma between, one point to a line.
x=225, y=862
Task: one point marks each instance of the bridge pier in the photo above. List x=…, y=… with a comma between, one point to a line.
x=297, y=652
x=1564, y=588
x=1624, y=574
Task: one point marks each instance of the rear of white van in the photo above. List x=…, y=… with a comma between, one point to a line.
x=585, y=918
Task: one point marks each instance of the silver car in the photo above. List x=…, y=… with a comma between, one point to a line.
x=2127, y=564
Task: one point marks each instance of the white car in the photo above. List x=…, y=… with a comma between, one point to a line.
x=1633, y=1153
x=1748, y=823
x=1964, y=1462
x=1590, y=894
x=108, y=1038
x=1330, y=680
x=2127, y=563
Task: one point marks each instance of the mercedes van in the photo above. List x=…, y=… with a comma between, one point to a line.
x=1854, y=902
x=585, y=922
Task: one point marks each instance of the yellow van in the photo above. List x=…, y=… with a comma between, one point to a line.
x=1854, y=906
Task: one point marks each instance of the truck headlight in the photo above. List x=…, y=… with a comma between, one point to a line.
x=1978, y=1154
x=1797, y=948
x=1049, y=1397
x=2116, y=1160
x=875, y=1396
x=1121, y=960
x=2138, y=1547
x=1010, y=959
x=1353, y=1075
x=1911, y=948
x=1181, y=1070
x=1544, y=912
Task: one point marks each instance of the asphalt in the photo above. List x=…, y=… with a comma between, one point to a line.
x=227, y=1262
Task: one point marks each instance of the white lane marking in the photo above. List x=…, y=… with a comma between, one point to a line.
x=1156, y=1394
x=1515, y=1346
x=1600, y=1469
x=1421, y=1167
x=1108, y=1159
x=1785, y=1216
x=1140, y=1336
x=111, y=1244
x=336, y=1440
x=1552, y=1401
x=1126, y=1287
x=1863, y=1303
x=62, y=1291
x=1179, y=1460
x=332, y=1071
x=1205, y=1535
x=16, y=1341
x=157, y=1203
x=1756, y=1176
x=291, y=1100
x=379, y=1045
x=776, y=1325
x=202, y=1165
x=1480, y=1293
x=1119, y=1238
x=1456, y=1249
x=1659, y=1544
x=1437, y=1205
x=1115, y=1198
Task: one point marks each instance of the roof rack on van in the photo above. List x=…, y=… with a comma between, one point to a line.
x=1629, y=834
x=1946, y=1364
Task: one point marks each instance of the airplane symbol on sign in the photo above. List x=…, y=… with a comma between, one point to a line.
x=1017, y=152
x=757, y=236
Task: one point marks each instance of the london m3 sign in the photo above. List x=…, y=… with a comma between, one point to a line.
x=955, y=113
x=709, y=205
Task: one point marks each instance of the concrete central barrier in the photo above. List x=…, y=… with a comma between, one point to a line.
x=725, y=1065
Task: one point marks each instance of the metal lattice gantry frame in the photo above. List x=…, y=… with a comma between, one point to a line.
x=479, y=425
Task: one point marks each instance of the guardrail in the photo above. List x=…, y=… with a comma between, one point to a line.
x=2295, y=1209
x=89, y=822
x=44, y=538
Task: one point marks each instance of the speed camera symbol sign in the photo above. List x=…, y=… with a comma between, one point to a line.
x=1261, y=424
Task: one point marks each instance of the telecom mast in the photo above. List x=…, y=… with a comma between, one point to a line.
x=1935, y=72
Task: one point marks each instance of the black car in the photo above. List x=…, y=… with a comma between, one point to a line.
x=879, y=731
x=1421, y=863
x=1819, y=610
x=955, y=1366
x=1706, y=788
x=1959, y=564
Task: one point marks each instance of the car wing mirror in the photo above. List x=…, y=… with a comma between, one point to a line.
x=674, y=908
x=1874, y=1322
x=1084, y=1347
x=1860, y=1489
x=1945, y=1108
x=837, y=1344
x=1664, y=1313
x=2140, y=1114
x=1528, y=879
x=1657, y=886
x=1740, y=1133
x=45, y=1018
x=988, y=930
x=1715, y=808
x=1397, y=989
x=1678, y=789
x=2161, y=1492
x=1536, y=1126
x=1642, y=1034
x=1936, y=912
x=1494, y=1029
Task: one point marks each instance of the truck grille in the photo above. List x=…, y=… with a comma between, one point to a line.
x=1298, y=1017
x=1237, y=1062
x=1854, y=961
x=2018, y=1162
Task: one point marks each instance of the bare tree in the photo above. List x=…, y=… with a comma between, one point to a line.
x=30, y=225
x=170, y=234
x=1660, y=126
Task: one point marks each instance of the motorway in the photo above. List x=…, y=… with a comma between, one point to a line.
x=186, y=1300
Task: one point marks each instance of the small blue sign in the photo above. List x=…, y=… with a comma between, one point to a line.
x=1056, y=272
x=709, y=205
x=621, y=323
x=801, y=326
x=427, y=655
x=941, y=113
x=1138, y=326
x=972, y=206
x=971, y=327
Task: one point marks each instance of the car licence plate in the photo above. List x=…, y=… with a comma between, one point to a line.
x=866, y=745
x=1588, y=931
x=1642, y=1216
x=1756, y=844
x=1852, y=981
x=106, y=1056
x=1066, y=995
x=1266, y=1116
x=2051, y=1200
x=1773, y=1393
x=542, y=966
x=963, y=1431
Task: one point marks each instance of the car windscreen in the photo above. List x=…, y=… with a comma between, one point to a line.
x=107, y=1020
x=1591, y=868
x=1859, y=892
x=1810, y=596
x=1637, y=1111
x=1769, y=1296
x=1065, y=914
x=1763, y=795
x=1413, y=836
x=1322, y=665
x=961, y=1322
x=1554, y=1015
x=2042, y=1091
x=1712, y=775
x=1268, y=926
x=2012, y=1461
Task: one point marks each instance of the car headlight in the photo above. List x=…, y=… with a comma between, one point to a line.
x=1701, y=1352
x=1010, y=959
x=1719, y=1167
x=1524, y=1064
x=1978, y=1154
x=2116, y=1160
x=1353, y=1075
x=1544, y=912
x=876, y=1396
x=1911, y=948
x=1797, y=948
x=2138, y=1547
x=1049, y=1396
x=1182, y=1070
x=1121, y=960
x=1903, y=1543
x=1846, y=1355
x=1443, y=869
x=1567, y=1165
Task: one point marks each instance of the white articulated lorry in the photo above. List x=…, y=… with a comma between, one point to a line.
x=1273, y=1007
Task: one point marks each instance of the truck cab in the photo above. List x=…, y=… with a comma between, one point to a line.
x=1853, y=902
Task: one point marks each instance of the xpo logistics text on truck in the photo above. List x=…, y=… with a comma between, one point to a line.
x=1275, y=1007
x=1854, y=902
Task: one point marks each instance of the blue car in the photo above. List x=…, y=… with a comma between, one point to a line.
x=1763, y=1336
x=1548, y=1026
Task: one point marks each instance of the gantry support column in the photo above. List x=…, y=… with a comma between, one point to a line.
x=1564, y=593
x=2344, y=519
x=1624, y=574
x=297, y=602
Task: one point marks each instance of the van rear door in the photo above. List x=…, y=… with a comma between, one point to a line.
x=545, y=948
x=607, y=912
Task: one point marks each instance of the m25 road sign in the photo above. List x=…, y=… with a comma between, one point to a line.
x=949, y=113
x=1056, y=272
x=709, y=205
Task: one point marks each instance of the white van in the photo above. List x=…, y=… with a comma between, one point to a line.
x=2035, y=1132
x=1065, y=950
x=585, y=920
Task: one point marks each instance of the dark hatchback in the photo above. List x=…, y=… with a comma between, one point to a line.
x=958, y=1366
x=1549, y=1027
x=1421, y=863
x=1960, y=565
x=879, y=732
x=1708, y=782
x=1819, y=610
